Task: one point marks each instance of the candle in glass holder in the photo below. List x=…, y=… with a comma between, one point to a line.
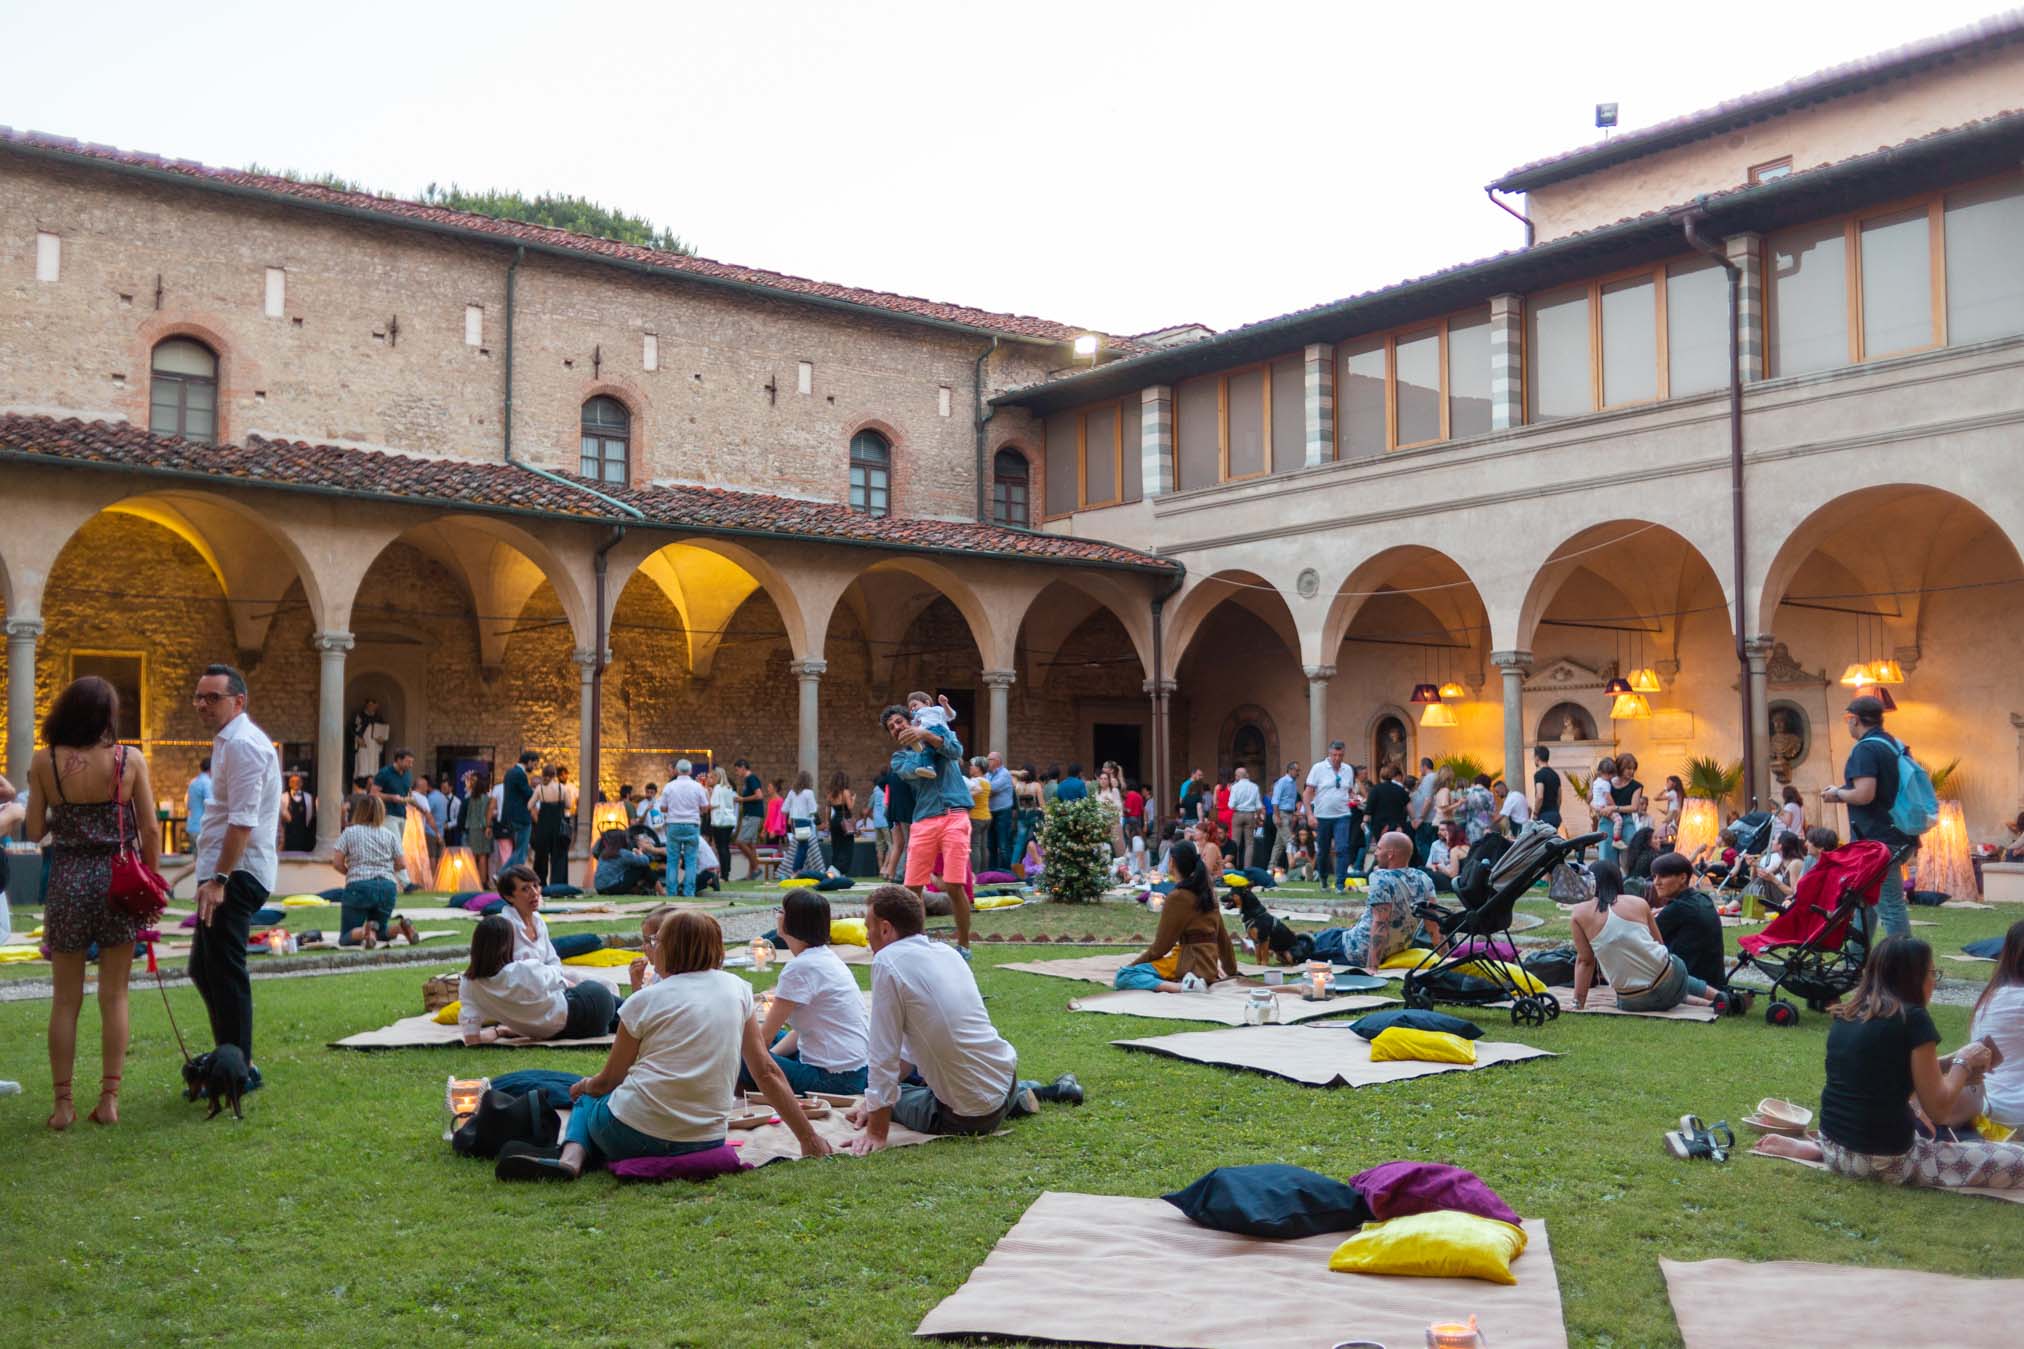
x=277, y=941
x=460, y=1100
x=1156, y=901
x=1454, y=1335
x=1319, y=975
x=762, y=953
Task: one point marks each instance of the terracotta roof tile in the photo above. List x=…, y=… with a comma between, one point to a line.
x=468, y=485
x=397, y=211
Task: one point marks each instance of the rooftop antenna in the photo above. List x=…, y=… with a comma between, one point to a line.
x=1605, y=117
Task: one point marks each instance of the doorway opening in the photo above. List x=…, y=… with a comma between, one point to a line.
x=1118, y=743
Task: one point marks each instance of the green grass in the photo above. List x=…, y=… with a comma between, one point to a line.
x=334, y=1212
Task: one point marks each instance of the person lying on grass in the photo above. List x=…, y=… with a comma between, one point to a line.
x=817, y=996
x=1389, y=924
x=1191, y=929
x=925, y=1004
x=1881, y=1059
x=1617, y=933
x=670, y=1084
x=526, y=998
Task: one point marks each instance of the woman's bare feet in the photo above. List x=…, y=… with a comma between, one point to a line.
x=65, y=1114
x=1782, y=1145
x=368, y=936
x=107, y=1109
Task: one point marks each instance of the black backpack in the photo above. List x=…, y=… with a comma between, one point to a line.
x=507, y=1117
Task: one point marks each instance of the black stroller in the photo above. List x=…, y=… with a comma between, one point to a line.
x=1750, y=835
x=1499, y=873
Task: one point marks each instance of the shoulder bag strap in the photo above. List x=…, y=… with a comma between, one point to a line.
x=127, y=823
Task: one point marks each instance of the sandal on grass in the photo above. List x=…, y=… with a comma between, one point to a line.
x=1694, y=1139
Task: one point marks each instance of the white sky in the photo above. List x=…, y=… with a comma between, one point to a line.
x=1121, y=165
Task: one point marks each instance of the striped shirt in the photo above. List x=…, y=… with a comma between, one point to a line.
x=371, y=854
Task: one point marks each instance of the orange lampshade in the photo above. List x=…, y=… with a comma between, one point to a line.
x=1630, y=707
x=1886, y=671
x=1452, y=692
x=1856, y=675
x=1437, y=714
x=1645, y=680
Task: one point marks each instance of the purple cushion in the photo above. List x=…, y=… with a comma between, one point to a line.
x=688, y=1166
x=191, y=921
x=1399, y=1188
x=995, y=878
x=479, y=901
x=1495, y=948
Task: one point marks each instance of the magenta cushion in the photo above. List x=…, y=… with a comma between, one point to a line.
x=191, y=921
x=1396, y=1189
x=1494, y=948
x=477, y=902
x=688, y=1166
x=995, y=878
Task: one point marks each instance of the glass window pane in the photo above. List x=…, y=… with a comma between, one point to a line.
x=1985, y=262
x=1419, y=374
x=1062, y=484
x=199, y=424
x=1289, y=414
x=1196, y=425
x=1359, y=400
x=200, y=394
x=1133, y=434
x=1247, y=423
x=185, y=357
x=165, y=410
x=1099, y=456
x=1897, y=283
x=1630, y=342
x=1697, y=328
x=1809, y=299
x=1469, y=374
x=1557, y=340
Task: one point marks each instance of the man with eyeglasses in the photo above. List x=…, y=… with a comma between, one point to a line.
x=235, y=855
x=1329, y=786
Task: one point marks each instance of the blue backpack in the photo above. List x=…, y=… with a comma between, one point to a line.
x=1917, y=806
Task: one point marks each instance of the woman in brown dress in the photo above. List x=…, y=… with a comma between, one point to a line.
x=83, y=786
x=1192, y=948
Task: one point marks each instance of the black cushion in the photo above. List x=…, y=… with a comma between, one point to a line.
x=1271, y=1200
x=1370, y=1027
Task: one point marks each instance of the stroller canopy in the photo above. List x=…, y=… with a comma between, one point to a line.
x=1854, y=870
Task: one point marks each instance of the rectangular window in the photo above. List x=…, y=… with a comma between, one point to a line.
x=277, y=291
x=1360, y=425
x=1244, y=424
x=474, y=325
x=1198, y=418
x=1771, y=170
x=1063, y=429
x=48, y=256
x=650, y=352
x=1416, y=365
x=1289, y=414
x=1469, y=374
x=1697, y=328
x=1556, y=338
x=1808, y=298
x=1099, y=456
x=1985, y=261
x=804, y=377
x=1897, y=282
x=1131, y=420
x=126, y=672
x=944, y=399
x=1630, y=341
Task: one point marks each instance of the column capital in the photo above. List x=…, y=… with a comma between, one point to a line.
x=1318, y=672
x=1506, y=304
x=1510, y=661
x=807, y=669
x=2017, y=720
x=332, y=641
x=1160, y=688
x=586, y=660
x=1757, y=650
x=24, y=629
x=1156, y=393
x=1000, y=679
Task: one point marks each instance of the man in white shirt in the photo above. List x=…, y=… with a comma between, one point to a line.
x=1329, y=785
x=235, y=855
x=1245, y=804
x=682, y=804
x=926, y=1011
x=1516, y=812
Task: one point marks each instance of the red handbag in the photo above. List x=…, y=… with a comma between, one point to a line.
x=135, y=888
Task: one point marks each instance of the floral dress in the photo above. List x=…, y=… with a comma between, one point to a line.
x=77, y=907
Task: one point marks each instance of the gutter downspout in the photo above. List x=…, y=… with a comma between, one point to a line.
x=983, y=474
x=594, y=752
x=1531, y=232
x=1162, y=756
x=1688, y=222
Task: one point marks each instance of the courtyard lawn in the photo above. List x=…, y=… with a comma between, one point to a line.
x=335, y=1211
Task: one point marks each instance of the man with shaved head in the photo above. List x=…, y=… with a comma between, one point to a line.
x=1389, y=924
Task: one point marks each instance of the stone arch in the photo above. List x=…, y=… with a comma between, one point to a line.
x=897, y=604
x=1244, y=722
x=1248, y=590
x=706, y=580
x=1661, y=573
x=1431, y=578
x=1046, y=627
x=498, y=567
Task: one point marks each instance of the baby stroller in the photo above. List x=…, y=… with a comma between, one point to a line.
x=1750, y=835
x=1816, y=948
x=1498, y=874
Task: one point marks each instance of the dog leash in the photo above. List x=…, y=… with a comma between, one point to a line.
x=156, y=970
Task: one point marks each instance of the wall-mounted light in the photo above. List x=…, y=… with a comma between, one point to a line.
x=1086, y=345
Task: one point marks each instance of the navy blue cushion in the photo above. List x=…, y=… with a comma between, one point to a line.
x=561, y=891
x=335, y=894
x=1260, y=878
x=1990, y=948
x=1370, y=1027
x=1271, y=1200
x=576, y=944
x=269, y=916
x=835, y=883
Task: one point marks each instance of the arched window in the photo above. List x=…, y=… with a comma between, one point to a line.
x=183, y=391
x=871, y=473
x=607, y=441
x=1010, y=480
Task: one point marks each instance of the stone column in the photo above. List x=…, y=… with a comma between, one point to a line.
x=1320, y=424
x=1747, y=252
x=1156, y=440
x=1318, y=677
x=1758, y=782
x=23, y=633
x=1507, y=362
x=809, y=672
x=1161, y=691
x=587, y=770
x=999, y=682
x=2017, y=724
x=1515, y=665
x=333, y=744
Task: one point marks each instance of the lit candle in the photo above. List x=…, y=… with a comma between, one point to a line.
x=277, y=941
x=1156, y=902
x=1319, y=975
x=460, y=1100
x=762, y=953
x=1454, y=1335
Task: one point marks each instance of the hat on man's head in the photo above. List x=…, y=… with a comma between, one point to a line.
x=1336, y=744
x=1866, y=708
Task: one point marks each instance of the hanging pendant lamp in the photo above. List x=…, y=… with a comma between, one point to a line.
x=1437, y=714
x=1630, y=707
x=1856, y=675
x=1426, y=693
x=1886, y=671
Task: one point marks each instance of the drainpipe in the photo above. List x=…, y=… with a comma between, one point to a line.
x=982, y=416
x=595, y=751
x=1162, y=757
x=1689, y=221
x=1512, y=211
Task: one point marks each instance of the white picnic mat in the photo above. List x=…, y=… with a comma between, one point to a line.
x=423, y=1032
x=1602, y=1002
x=1313, y=1056
x=1721, y=1304
x=1223, y=1004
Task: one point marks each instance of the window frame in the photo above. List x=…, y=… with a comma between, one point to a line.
x=884, y=468
x=1658, y=274
x=603, y=436
x=1117, y=407
x=1935, y=205
x=1390, y=338
x=1025, y=484
x=1757, y=173
x=183, y=383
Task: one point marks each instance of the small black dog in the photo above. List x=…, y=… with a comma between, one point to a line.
x=220, y=1077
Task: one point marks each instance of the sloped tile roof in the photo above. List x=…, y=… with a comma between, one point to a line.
x=396, y=211
x=465, y=484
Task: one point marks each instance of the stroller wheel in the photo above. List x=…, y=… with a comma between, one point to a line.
x=1550, y=1004
x=1526, y=1011
x=1416, y=995
x=1781, y=1013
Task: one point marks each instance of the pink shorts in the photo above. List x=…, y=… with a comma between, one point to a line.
x=939, y=847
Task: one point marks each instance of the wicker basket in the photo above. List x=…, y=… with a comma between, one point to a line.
x=439, y=992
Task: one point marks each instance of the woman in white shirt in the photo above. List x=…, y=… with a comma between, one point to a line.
x=522, y=893
x=524, y=997
x=670, y=1084
x=819, y=998
x=1792, y=815
x=1999, y=1015
x=368, y=855
x=802, y=834
x=723, y=812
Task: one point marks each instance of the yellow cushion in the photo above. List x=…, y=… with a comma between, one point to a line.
x=997, y=902
x=1444, y=1244
x=1236, y=880
x=847, y=932
x=1168, y=966
x=1413, y=957
x=304, y=902
x=796, y=882
x=1409, y=959
x=604, y=957
x=14, y=955
x=1424, y=1046
x=446, y=1015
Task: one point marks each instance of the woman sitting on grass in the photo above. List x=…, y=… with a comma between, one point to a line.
x=669, y=1086
x=526, y=998
x=1999, y=1018
x=368, y=855
x=829, y=1044
x=1191, y=928
x=1880, y=1058
x=522, y=893
x=1209, y=848
x=1617, y=932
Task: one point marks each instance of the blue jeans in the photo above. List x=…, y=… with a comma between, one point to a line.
x=806, y=1077
x=521, y=834
x=802, y=849
x=1001, y=839
x=607, y=1138
x=682, y=840
x=365, y=902
x=1890, y=914
x=1331, y=841
x=1669, y=991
